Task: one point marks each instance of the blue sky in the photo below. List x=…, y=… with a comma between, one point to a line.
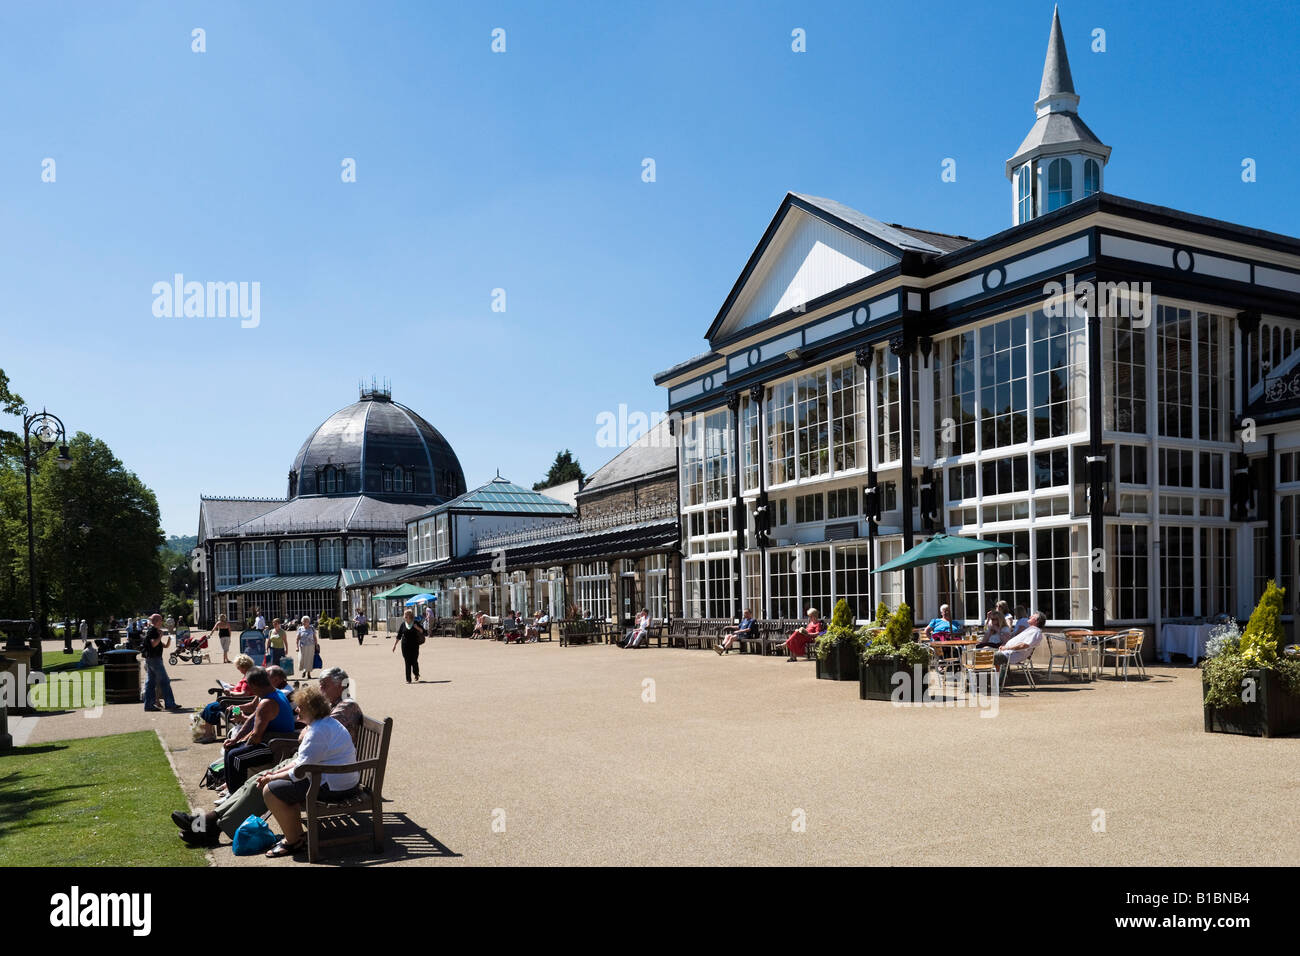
x=522, y=171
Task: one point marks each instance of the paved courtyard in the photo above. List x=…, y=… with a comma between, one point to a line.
x=545, y=755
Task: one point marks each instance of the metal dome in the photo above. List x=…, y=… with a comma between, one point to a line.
x=378, y=448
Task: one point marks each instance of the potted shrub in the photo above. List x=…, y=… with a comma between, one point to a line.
x=1247, y=688
x=464, y=623
x=894, y=667
x=839, y=646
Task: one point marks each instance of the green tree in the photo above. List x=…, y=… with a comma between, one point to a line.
x=98, y=534
x=13, y=514
x=564, y=468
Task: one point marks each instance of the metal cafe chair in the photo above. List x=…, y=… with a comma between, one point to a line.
x=980, y=662
x=1083, y=656
x=1129, y=648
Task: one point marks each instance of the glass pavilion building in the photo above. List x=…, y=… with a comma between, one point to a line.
x=1110, y=387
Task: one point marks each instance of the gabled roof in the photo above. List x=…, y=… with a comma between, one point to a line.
x=500, y=495
x=891, y=240
x=652, y=453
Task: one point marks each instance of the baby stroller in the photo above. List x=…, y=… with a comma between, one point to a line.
x=190, y=649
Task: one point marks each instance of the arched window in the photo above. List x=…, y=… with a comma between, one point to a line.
x=331, y=481
x=1025, y=193
x=1060, y=188
x=388, y=479
x=1091, y=177
x=397, y=478
x=410, y=481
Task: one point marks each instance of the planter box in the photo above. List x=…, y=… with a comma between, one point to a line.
x=841, y=662
x=877, y=681
x=1273, y=713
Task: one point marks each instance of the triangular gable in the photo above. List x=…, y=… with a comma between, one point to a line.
x=806, y=252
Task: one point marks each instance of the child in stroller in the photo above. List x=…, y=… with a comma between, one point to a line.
x=191, y=648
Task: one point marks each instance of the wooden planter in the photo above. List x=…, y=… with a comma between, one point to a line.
x=1273, y=713
x=841, y=662
x=877, y=680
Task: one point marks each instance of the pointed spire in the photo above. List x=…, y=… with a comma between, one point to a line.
x=1056, y=68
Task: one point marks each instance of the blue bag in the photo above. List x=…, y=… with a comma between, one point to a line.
x=254, y=836
x=316, y=664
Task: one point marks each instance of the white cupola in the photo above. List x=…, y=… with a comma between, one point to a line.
x=1061, y=159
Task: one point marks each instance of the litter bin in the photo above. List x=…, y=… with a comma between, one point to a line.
x=122, y=677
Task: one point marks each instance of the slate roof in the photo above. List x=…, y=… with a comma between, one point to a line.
x=892, y=236
x=218, y=515
x=1052, y=129
x=320, y=514
x=653, y=452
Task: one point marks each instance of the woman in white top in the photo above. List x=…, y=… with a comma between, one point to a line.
x=306, y=637
x=324, y=742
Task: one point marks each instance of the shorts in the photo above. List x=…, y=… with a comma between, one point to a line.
x=293, y=791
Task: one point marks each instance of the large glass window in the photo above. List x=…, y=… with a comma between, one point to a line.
x=1060, y=375
x=1174, y=372
x=815, y=580
x=656, y=586
x=717, y=456
x=1006, y=573
x=750, y=436
x=848, y=425
x=1004, y=399
x=1060, y=186
x=1177, y=571
x=692, y=461
x=256, y=560
x=782, y=585
x=718, y=588
x=591, y=589
x=853, y=579
x=1127, y=572
x=1128, y=377
x=780, y=433
x=227, y=566
x=331, y=554
x=1061, y=565
x=811, y=412
x=954, y=395
x=359, y=553
x=298, y=556
x=888, y=420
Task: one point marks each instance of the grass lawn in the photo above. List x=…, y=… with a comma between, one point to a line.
x=90, y=686
x=99, y=801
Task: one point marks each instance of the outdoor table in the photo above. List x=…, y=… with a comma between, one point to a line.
x=1100, y=640
x=960, y=644
x=1186, y=639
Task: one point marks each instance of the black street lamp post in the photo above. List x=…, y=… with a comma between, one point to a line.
x=48, y=431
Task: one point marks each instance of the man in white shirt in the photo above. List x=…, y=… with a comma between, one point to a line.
x=260, y=623
x=1020, y=646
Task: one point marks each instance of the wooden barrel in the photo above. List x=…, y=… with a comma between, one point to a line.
x=121, y=677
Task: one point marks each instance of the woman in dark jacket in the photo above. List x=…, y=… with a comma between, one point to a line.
x=410, y=635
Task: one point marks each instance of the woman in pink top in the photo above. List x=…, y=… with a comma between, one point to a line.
x=797, y=643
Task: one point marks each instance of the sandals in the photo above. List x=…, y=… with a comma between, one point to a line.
x=286, y=849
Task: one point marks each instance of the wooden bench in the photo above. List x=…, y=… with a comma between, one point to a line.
x=372, y=760
x=655, y=632
x=579, y=632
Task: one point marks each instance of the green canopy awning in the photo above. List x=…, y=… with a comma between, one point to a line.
x=401, y=591
x=942, y=547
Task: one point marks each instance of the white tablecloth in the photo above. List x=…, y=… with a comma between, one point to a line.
x=1186, y=639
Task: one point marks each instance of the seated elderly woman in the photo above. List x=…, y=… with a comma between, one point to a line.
x=325, y=742
x=995, y=629
x=205, y=829
x=797, y=643
x=212, y=713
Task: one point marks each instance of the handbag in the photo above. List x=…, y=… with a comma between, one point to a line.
x=215, y=776
x=253, y=836
x=316, y=664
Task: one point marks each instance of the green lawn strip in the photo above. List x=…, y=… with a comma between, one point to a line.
x=88, y=690
x=98, y=801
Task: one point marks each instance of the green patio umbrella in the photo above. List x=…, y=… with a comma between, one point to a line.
x=940, y=547
x=401, y=591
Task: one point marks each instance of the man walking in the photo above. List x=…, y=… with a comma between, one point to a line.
x=155, y=673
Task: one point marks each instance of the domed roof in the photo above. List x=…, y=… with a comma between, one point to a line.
x=379, y=448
